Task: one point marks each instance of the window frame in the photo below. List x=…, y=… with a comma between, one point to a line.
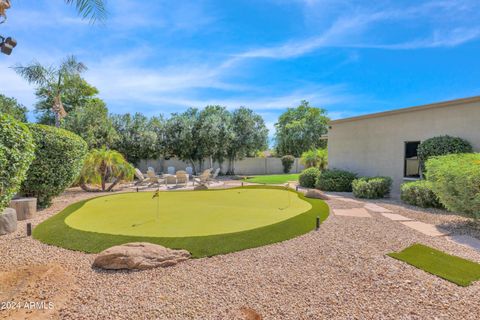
x=405, y=161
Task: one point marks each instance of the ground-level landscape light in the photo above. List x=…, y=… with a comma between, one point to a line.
x=29, y=229
x=318, y=224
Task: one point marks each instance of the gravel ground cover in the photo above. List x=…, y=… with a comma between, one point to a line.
x=338, y=272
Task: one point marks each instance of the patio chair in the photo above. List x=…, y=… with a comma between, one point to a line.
x=151, y=169
x=214, y=175
x=152, y=177
x=202, y=179
x=171, y=170
x=182, y=177
x=189, y=170
x=170, y=179
x=139, y=175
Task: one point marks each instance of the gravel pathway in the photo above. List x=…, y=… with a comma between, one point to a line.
x=339, y=272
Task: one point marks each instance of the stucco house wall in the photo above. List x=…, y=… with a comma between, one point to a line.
x=375, y=144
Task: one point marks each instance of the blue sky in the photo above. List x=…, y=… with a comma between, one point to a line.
x=350, y=57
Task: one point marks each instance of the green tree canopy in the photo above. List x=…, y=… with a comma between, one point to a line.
x=213, y=131
x=139, y=137
x=53, y=82
x=300, y=129
x=76, y=93
x=13, y=108
x=249, y=135
x=92, y=122
x=181, y=138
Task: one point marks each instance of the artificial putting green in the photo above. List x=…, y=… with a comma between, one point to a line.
x=186, y=214
x=230, y=220
x=452, y=268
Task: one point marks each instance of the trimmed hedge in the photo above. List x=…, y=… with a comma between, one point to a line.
x=287, y=163
x=440, y=146
x=420, y=194
x=371, y=187
x=16, y=154
x=455, y=180
x=335, y=180
x=308, y=177
x=59, y=157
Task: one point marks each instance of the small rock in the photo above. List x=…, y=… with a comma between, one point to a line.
x=139, y=256
x=8, y=221
x=316, y=194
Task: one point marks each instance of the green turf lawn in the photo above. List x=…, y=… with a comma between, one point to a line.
x=452, y=268
x=240, y=228
x=274, y=178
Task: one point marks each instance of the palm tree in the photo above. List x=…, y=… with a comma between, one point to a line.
x=103, y=166
x=52, y=80
x=93, y=9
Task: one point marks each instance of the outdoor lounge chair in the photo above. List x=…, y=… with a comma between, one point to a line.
x=170, y=179
x=202, y=179
x=139, y=175
x=182, y=177
x=152, y=177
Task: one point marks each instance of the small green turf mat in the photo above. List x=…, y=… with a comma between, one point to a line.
x=452, y=268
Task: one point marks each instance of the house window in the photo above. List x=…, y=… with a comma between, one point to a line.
x=412, y=164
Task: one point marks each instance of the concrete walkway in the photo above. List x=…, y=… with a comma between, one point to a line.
x=431, y=230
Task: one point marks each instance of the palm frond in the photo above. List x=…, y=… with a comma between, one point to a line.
x=93, y=9
x=72, y=66
x=34, y=73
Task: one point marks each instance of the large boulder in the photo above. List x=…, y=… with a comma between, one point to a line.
x=139, y=256
x=8, y=221
x=316, y=194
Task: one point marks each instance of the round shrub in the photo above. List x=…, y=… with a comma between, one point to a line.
x=420, y=194
x=287, y=162
x=335, y=180
x=59, y=156
x=371, y=188
x=16, y=154
x=455, y=180
x=442, y=145
x=308, y=177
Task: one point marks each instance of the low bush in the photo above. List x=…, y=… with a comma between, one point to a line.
x=441, y=145
x=287, y=162
x=335, y=180
x=16, y=154
x=420, y=194
x=59, y=156
x=308, y=177
x=455, y=180
x=371, y=187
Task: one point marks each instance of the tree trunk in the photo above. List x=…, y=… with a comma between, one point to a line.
x=88, y=189
x=57, y=120
x=193, y=166
x=114, y=183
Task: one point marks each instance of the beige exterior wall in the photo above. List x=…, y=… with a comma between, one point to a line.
x=375, y=145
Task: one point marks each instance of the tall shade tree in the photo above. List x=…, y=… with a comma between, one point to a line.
x=249, y=135
x=76, y=93
x=52, y=80
x=181, y=137
x=11, y=107
x=213, y=131
x=300, y=129
x=92, y=122
x=139, y=137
